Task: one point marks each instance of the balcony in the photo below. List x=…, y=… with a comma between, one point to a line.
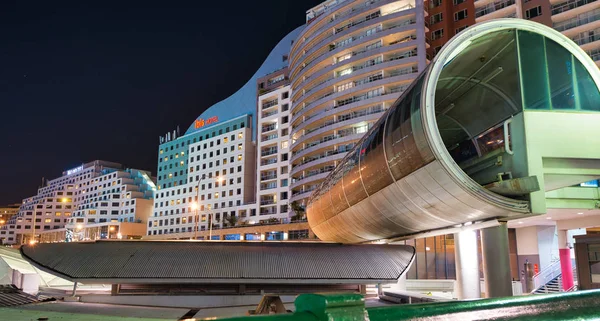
x=593, y=35
x=268, y=128
x=269, y=161
x=270, y=113
x=594, y=54
x=568, y=5
x=269, y=137
x=269, y=103
x=493, y=7
x=355, y=53
x=357, y=37
x=308, y=174
x=266, y=186
x=267, y=202
x=580, y=20
x=268, y=176
x=269, y=151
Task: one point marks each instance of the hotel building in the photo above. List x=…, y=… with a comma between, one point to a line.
x=205, y=178
x=96, y=194
x=350, y=63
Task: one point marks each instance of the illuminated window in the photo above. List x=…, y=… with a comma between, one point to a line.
x=59, y=213
x=166, y=159
x=176, y=155
x=239, y=146
x=161, y=151
x=225, y=140
x=181, y=162
x=184, y=220
x=170, y=175
x=48, y=220
x=182, y=153
x=216, y=195
x=67, y=213
x=241, y=135
x=239, y=157
x=284, y=144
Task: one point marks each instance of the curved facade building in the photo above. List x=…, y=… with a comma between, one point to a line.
x=243, y=101
x=480, y=135
x=350, y=63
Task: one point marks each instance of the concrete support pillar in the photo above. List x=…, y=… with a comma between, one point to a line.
x=496, y=261
x=467, y=265
x=564, y=252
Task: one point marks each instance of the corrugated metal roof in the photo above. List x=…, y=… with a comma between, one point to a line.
x=220, y=261
x=10, y=295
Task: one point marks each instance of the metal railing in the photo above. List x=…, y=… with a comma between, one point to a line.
x=367, y=33
x=546, y=275
x=568, y=5
x=595, y=36
x=495, y=6
x=580, y=20
x=268, y=128
x=270, y=103
x=351, y=306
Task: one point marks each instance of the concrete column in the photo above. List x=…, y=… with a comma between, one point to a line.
x=496, y=261
x=467, y=265
x=564, y=252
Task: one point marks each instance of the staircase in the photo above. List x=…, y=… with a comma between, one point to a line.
x=555, y=285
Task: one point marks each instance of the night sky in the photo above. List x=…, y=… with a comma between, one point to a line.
x=80, y=81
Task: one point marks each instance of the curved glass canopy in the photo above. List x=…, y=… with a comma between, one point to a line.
x=451, y=149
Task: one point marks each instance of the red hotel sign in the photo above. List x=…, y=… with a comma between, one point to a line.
x=201, y=122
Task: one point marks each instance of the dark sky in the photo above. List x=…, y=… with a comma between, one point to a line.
x=88, y=80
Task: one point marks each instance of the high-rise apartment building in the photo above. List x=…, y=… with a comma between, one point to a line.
x=350, y=63
x=578, y=20
x=273, y=147
x=97, y=193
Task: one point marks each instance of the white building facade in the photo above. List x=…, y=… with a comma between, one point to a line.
x=205, y=176
x=95, y=192
x=272, y=179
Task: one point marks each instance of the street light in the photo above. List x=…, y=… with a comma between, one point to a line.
x=196, y=217
x=218, y=179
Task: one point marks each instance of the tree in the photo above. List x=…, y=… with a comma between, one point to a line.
x=230, y=220
x=299, y=211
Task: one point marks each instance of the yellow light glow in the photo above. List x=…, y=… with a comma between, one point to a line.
x=194, y=206
x=220, y=178
x=112, y=228
x=79, y=226
x=64, y=200
x=31, y=242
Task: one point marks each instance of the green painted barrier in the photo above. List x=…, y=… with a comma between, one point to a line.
x=582, y=305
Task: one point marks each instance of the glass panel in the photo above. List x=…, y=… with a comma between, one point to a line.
x=352, y=183
x=534, y=71
x=440, y=257
x=553, y=79
x=403, y=155
x=374, y=173
x=587, y=90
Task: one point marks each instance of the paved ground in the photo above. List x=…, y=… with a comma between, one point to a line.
x=67, y=311
x=89, y=311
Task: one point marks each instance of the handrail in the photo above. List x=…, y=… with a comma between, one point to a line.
x=350, y=306
x=546, y=275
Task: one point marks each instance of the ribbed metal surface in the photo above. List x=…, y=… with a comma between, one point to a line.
x=205, y=261
x=11, y=296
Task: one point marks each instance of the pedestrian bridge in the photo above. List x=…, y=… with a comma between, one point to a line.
x=507, y=111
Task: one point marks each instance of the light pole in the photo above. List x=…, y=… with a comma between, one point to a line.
x=196, y=205
x=210, y=213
